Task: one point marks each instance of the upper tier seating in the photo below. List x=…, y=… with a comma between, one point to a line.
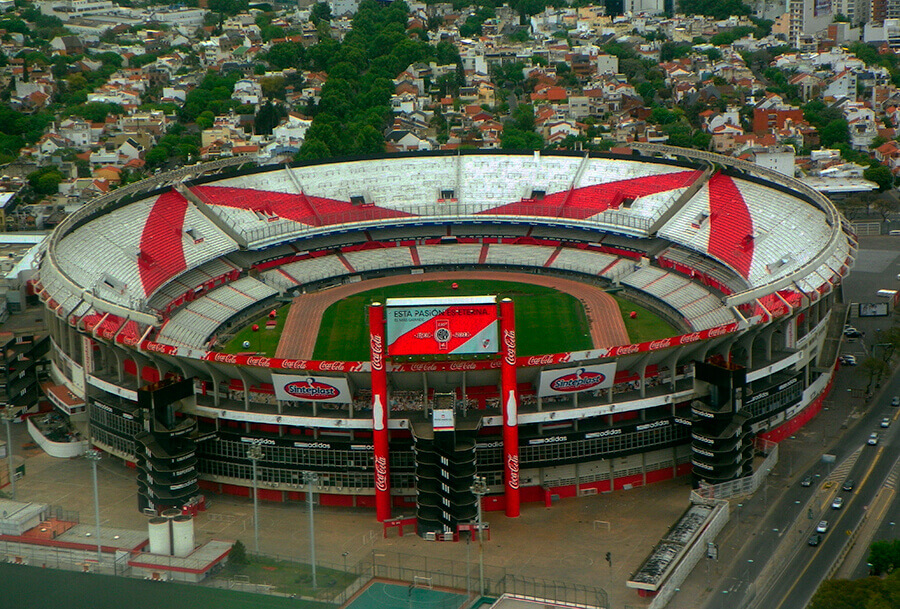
x=125, y=255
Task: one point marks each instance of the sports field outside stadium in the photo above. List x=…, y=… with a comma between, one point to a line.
x=24, y=587
x=547, y=320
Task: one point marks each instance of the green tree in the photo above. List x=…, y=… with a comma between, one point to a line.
x=320, y=12
x=266, y=119
x=719, y=9
x=518, y=139
x=835, y=132
x=45, y=181
x=881, y=175
x=285, y=55
x=313, y=149
x=238, y=554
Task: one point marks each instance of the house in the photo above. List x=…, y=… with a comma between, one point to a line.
x=774, y=117
x=247, y=92
x=78, y=131
x=842, y=85
x=51, y=142
x=67, y=45
x=809, y=85
x=292, y=130
x=724, y=138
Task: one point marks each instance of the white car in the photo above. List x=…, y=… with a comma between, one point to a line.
x=873, y=439
x=838, y=503
x=823, y=527
x=886, y=422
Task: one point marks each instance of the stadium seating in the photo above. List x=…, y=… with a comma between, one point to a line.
x=192, y=325
x=582, y=261
x=452, y=254
x=751, y=228
x=518, y=255
x=306, y=271
x=376, y=259
x=125, y=255
x=697, y=304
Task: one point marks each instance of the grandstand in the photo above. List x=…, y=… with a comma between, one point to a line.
x=139, y=286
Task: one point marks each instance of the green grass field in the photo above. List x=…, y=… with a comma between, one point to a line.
x=33, y=588
x=646, y=326
x=344, y=332
x=290, y=578
x=264, y=341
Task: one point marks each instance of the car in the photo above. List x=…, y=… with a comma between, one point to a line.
x=814, y=539
x=873, y=439
x=823, y=527
x=886, y=422
x=847, y=360
x=849, y=483
x=838, y=503
x=806, y=481
x=895, y=401
x=852, y=333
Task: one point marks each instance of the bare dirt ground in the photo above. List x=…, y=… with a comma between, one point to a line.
x=298, y=340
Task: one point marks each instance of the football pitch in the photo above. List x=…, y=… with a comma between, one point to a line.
x=344, y=333
x=547, y=320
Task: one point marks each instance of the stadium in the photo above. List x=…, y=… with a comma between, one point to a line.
x=641, y=316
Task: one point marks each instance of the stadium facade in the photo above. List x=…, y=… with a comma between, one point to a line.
x=141, y=283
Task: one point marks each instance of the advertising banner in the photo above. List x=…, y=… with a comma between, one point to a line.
x=873, y=309
x=574, y=380
x=441, y=326
x=311, y=388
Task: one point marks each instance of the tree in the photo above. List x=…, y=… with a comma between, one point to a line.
x=45, y=181
x=205, y=120
x=238, y=554
x=312, y=149
x=835, y=132
x=228, y=7
x=881, y=175
x=285, y=55
x=266, y=119
x=884, y=556
x=517, y=139
x=720, y=9
x=875, y=369
x=320, y=12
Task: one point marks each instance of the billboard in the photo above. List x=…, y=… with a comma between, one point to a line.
x=441, y=326
x=311, y=388
x=574, y=380
x=873, y=309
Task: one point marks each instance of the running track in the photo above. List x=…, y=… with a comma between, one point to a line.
x=298, y=340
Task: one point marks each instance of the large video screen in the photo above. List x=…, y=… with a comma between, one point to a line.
x=442, y=326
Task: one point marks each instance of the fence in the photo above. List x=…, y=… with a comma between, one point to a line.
x=460, y=575
x=65, y=559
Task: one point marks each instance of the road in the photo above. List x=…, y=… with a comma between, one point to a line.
x=775, y=567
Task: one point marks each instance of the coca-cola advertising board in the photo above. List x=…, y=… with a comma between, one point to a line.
x=311, y=388
x=575, y=380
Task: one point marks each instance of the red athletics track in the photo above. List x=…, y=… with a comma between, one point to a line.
x=298, y=339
